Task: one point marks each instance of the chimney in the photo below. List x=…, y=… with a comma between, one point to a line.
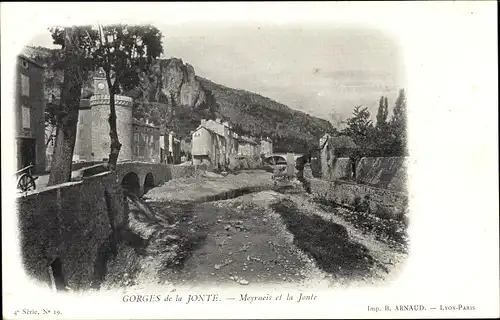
x=218, y=120
x=203, y=121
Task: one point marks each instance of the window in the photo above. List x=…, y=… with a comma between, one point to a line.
x=25, y=85
x=136, y=137
x=24, y=64
x=26, y=117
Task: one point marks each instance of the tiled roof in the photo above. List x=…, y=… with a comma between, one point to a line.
x=208, y=129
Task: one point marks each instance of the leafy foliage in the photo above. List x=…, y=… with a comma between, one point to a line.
x=122, y=52
x=359, y=127
x=386, y=138
x=383, y=112
x=398, y=123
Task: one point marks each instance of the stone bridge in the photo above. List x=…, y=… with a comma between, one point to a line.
x=283, y=156
x=68, y=230
x=140, y=177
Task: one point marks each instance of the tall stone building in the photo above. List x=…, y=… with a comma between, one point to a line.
x=266, y=147
x=146, y=143
x=29, y=113
x=139, y=139
x=99, y=104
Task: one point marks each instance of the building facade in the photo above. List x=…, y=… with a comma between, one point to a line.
x=146, y=142
x=266, y=147
x=203, y=146
x=170, y=148
x=248, y=147
x=212, y=142
x=30, y=114
x=215, y=142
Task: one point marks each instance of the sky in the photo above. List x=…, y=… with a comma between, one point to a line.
x=323, y=71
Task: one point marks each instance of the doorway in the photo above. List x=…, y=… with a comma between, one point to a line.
x=26, y=152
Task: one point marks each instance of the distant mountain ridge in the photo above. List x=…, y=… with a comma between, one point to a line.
x=170, y=94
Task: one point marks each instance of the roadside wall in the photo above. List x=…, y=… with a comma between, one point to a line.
x=381, y=202
x=71, y=222
x=387, y=172
x=182, y=171
x=384, y=172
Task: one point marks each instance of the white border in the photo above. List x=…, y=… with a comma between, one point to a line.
x=450, y=51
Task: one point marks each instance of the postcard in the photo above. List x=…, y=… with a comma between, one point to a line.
x=250, y=160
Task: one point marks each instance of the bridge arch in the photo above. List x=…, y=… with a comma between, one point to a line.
x=275, y=159
x=130, y=183
x=149, y=182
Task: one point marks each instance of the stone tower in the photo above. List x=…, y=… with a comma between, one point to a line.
x=99, y=104
x=83, y=142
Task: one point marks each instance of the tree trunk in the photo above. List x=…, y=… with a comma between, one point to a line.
x=67, y=119
x=113, y=134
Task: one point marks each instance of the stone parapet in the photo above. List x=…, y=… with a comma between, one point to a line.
x=103, y=99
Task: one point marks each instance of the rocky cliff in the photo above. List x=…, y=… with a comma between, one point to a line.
x=171, y=95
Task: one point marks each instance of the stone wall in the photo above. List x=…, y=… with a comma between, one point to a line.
x=386, y=172
x=71, y=222
x=182, y=171
x=381, y=202
x=78, y=222
x=382, y=172
x=244, y=162
x=100, y=127
x=342, y=169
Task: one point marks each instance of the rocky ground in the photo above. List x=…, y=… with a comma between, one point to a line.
x=200, y=231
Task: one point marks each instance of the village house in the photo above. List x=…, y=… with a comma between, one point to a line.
x=266, y=147
x=235, y=139
x=214, y=142
x=231, y=139
x=29, y=114
x=146, y=144
x=204, y=149
x=170, y=148
x=248, y=147
x=208, y=143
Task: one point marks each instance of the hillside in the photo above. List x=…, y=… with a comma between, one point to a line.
x=291, y=130
x=171, y=95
